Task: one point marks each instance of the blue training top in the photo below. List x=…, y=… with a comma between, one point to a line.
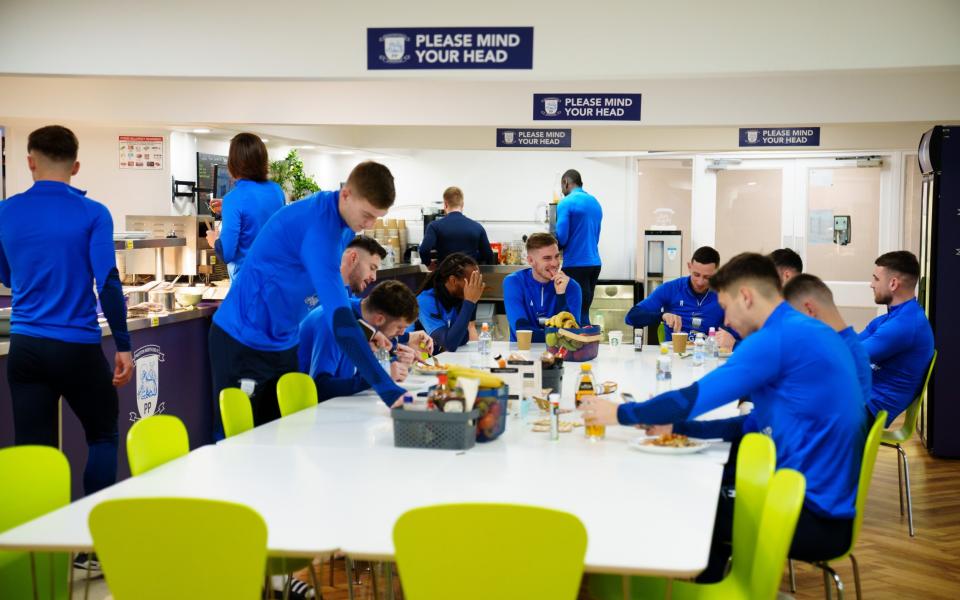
x=803, y=383
x=578, y=229
x=447, y=325
x=699, y=312
x=246, y=210
x=526, y=300
x=54, y=244
x=334, y=373
x=293, y=265
x=900, y=346
x=456, y=233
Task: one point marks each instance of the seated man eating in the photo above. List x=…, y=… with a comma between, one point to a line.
x=802, y=380
x=533, y=295
x=389, y=309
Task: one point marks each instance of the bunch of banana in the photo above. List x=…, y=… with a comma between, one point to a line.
x=486, y=379
x=562, y=320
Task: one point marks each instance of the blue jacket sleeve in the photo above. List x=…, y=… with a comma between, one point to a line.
x=4, y=267
x=485, y=252
x=451, y=338
x=229, y=241
x=883, y=341
x=563, y=224
x=103, y=260
x=428, y=243
x=324, y=270
x=726, y=429
x=329, y=386
x=513, y=304
x=752, y=366
x=650, y=310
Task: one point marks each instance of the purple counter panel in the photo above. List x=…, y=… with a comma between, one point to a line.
x=173, y=378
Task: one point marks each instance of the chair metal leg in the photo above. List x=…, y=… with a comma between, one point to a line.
x=313, y=580
x=33, y=577
x=856, y=575
x=389, y=581
x=348, y=563
x=827, y=569
x=900, y=479
x=793, y=577
x=70, y=577
x=333, y=561
x=906, y=480
x=827, y=588
x=373, y=579
x=86, y=585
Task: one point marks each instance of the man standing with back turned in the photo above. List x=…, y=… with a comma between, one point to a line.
x=579, y=216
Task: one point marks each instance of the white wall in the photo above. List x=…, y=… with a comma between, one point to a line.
x=123, y=191
x=506, y=186
x=573, y=40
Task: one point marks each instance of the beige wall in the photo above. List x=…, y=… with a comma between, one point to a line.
x=911, y=204
x=613, y=39
x=748, y=211
x=854, y=192
x=665, y=184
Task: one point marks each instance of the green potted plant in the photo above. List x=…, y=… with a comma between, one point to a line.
x=288, y=174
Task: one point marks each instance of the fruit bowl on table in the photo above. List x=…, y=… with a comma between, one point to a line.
x=579, y=344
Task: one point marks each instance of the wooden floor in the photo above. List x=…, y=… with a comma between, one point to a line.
x=892, y=564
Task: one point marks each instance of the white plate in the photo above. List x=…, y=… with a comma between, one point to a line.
x=641, y=445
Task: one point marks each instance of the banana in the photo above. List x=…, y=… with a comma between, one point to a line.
x=486, y=379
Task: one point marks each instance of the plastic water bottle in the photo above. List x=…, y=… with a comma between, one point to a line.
x=713, y=350
x=383, y=357
x=664, y=369
x=485, y=345
x=699, y=350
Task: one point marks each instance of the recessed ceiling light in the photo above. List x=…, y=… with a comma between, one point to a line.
x=751, y=183
x=345, y=152
x=264, y=140
x=306, y=147
x=201, y=130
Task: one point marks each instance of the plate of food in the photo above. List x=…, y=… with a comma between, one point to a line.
x=669, y=443
x=423, y=368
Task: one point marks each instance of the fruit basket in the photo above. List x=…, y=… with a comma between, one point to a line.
x=434, y=429
x=578, y=344
x=491, y=405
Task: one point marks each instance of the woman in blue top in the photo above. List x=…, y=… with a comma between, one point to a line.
x=249, y=205
x=447, y=302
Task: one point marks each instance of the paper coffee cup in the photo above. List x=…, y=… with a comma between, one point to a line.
x=524, y=337
x=680, y=342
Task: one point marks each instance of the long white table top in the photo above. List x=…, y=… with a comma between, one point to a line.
x=328, y=478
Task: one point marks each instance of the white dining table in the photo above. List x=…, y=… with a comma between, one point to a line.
x=329, y=479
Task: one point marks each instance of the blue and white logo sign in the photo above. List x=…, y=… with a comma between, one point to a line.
x=586, y=107
x=450, y=48
x=534, y=138
x=148, y=359
x=779, y=136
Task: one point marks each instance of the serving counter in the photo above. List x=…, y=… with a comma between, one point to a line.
x=172, y=376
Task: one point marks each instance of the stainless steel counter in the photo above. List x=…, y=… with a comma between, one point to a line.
x=135, y=324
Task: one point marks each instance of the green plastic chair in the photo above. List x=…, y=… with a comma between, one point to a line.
x=35, y=481
x=235, y=411
x=482, y=551
x=870, y=449
x=894, y=439
x=155, y=440
x=160, y=548
x=756, y=461
x=295, y=392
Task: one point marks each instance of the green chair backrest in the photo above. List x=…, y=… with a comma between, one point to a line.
x=870, y=449
x=155, y=440
x=482, y=551
x=910, y=419
x=756, y=462
x=661, y=333
x=778, y=522
x=235, y=411
x=295, y=392
x=185, y=548
x=34, y=480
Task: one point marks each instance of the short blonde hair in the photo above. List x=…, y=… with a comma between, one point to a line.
x=453, y=196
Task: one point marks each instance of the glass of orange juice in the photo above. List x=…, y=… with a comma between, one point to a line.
x=595, y=432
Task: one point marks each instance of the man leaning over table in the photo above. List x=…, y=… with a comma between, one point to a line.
x=686, y=303
x=294, y=264
x=389, y=309
x=803, y=381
